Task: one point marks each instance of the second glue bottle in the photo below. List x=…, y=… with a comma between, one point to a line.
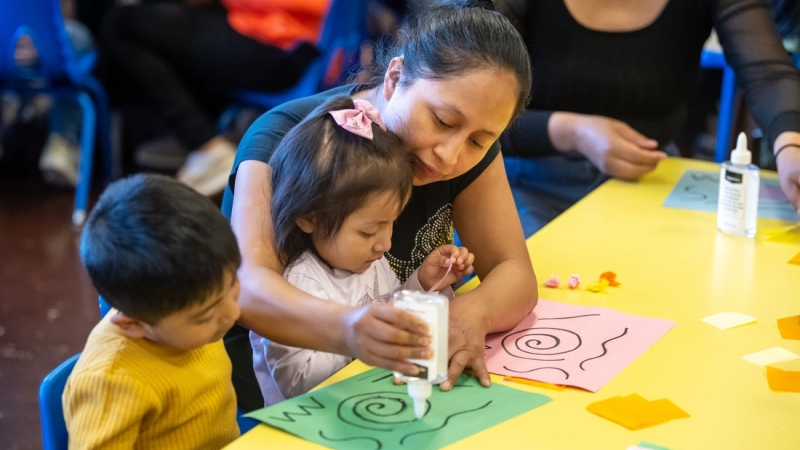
x=739, y=180
x=433, y=309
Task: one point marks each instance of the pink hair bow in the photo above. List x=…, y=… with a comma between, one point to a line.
x=359, y=120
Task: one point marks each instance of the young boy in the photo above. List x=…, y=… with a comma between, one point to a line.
x=154, y=372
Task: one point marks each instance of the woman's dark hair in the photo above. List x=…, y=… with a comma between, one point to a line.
x=153, y=246
x=457, y=37
x=322, y=172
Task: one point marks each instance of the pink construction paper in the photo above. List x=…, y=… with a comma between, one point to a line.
x=582, y=346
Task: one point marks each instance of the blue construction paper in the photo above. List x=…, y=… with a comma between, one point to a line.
x=699, y=191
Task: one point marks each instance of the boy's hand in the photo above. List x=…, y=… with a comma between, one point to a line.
x=458, y=259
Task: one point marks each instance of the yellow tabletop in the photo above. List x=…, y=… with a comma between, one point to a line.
x=673, y=264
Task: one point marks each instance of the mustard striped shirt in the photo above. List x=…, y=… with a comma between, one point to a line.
x=132, y=393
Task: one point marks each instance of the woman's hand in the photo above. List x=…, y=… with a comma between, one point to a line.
x=611, y=145
x=788, y=162
x=436, y=264
x=384, y=336
x=467, y=342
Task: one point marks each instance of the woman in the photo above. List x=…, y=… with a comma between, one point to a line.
x=456, y=79
x=613, y=78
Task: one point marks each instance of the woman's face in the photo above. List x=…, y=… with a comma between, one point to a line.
x=449, y=124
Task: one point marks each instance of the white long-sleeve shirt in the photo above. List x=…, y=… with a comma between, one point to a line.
x=284, y=371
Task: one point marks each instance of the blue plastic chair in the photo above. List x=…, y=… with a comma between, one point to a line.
x=54, y=430
x=58, y=72
x=342, y=33
x=51, y=411
x=727, y=101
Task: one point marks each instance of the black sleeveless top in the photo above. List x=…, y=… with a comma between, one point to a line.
x=644, y=77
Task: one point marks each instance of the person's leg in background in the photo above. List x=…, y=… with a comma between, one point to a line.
x=546, y=186
x=172, y=53
x=60, y=157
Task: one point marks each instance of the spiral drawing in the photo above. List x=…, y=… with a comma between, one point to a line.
x=378, y=411
x=541, y=344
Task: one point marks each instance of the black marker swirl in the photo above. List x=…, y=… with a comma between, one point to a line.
x=533, y=343
x=378, y=411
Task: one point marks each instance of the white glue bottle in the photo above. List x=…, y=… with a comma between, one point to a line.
x=737, y=209
x=433, y=308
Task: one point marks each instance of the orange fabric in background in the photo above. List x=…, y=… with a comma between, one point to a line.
x=280, y=23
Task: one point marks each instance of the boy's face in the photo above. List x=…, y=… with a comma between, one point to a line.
x=199, y=324
x=364, y=237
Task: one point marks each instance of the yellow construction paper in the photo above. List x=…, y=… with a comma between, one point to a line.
x=782, y=235
x=770, y=356
x=634, y=412
x=790, y=327
x=783, y=380
x=795, y=260
x=725, y=320
x=541, y=384
x=668, y=409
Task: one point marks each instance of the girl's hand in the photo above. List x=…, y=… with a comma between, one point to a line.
x=458, y=259
x=381, y=335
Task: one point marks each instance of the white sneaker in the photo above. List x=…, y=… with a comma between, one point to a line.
x=59, y=162
x=207, y=171
x=163, y=153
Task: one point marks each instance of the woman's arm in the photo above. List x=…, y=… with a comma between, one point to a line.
x=377, y=334
x=488, y=225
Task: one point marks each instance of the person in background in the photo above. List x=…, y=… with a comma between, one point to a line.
x=174, y=54
x=154, y=372
x=612, y=79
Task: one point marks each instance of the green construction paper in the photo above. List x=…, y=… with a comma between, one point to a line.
x=645, y=444
x=368, y=411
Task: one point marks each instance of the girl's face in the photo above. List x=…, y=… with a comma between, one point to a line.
x=364, y=237
x=448, y=124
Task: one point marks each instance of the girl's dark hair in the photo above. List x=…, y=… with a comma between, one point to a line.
x=454, y=38
x=153, y=246
x=323, y=172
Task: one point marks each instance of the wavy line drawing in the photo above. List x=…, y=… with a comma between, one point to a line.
x=699, y=195
x=382, y=378
x=713, y=178
x=305, y=412
x=377, y=442
x=605, y=350
x=445, y=421
x=571, y=317
x=566, y=374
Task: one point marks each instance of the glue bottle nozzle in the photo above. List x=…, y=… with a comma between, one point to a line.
x=741, y=154
x=419, y=391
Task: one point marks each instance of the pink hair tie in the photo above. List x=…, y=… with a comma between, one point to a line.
x=359, y=120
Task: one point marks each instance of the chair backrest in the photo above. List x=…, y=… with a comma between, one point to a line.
x=54, y=430
x=344, y=29
x=342, y=32
x=43, y=22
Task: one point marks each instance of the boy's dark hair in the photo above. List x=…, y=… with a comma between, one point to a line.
x=153, y=246
x=323, y=172
x=454, y=38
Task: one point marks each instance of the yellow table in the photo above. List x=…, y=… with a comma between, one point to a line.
x=673, y=264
